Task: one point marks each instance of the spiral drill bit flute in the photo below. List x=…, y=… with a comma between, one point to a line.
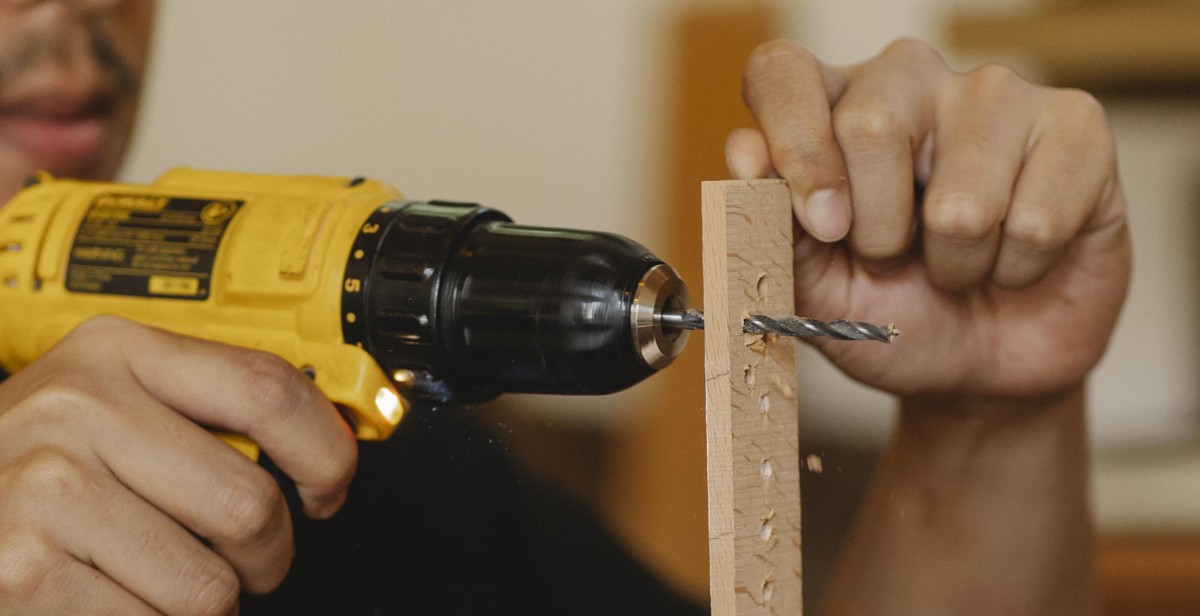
x=795, y=326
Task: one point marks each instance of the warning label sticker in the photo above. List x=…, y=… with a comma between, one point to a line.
x=148, y=245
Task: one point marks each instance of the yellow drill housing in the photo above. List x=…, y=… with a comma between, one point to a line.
x=246, y=259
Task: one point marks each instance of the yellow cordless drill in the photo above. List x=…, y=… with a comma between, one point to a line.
x=379, y=299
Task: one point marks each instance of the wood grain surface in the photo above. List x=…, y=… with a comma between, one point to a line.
x=750, y=391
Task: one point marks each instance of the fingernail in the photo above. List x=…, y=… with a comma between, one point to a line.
x=828, y=214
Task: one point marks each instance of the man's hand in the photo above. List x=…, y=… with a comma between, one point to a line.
x=1006, y=278
x=113, y=497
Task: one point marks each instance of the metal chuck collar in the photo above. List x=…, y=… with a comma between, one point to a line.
x=660, y=291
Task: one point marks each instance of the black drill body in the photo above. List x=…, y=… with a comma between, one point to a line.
x=466, y=304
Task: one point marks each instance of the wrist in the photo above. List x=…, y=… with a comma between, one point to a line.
x=996, y=437
x=986, y=497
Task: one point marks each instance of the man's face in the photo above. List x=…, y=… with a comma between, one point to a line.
x=70, y=72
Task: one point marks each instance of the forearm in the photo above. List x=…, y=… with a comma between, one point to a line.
x=978, y=507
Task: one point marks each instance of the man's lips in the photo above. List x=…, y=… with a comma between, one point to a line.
x=60, y=137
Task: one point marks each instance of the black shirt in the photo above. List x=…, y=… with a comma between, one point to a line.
x=438, y=521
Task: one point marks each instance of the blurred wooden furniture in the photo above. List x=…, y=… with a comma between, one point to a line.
x=1106, y=46
x=1150, y=574
x=657, y=488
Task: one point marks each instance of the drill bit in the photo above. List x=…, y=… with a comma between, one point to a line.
x=789, y=325
x=840, y=329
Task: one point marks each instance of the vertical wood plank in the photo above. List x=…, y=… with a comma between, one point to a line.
x=750, y=400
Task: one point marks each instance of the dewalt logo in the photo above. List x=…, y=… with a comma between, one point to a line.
x=140, y=203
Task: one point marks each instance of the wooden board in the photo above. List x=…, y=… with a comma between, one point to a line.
x=750, y=401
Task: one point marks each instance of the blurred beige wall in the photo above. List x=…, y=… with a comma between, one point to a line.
x=538, y=109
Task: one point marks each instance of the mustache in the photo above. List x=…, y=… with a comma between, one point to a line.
x=26, y=53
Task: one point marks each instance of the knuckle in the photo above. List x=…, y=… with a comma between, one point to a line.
x=47, y=473
x=958, y=216
x=802, y=157
x=1035, y=231
x=59, y=393
x=1084, y=114
x=868, y=125
x=1080, y=130
x=767, y=58
x=991, y=80
x=913, y=50
x=213, y=587
x=995, y=74
x=273, y=385
x=103, y=325
x=249, y=508
x=52, y=405
x=771, y=65
x=26, y=563
x=1083, y=105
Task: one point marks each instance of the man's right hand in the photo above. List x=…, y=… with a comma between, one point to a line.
x=114, y=498
x=1006, y=277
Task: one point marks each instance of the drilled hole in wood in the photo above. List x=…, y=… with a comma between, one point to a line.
x=766, y=470
x=768, y=589
x=767, y=531
x=748, y=375
x=764, y=403
x=760, y=287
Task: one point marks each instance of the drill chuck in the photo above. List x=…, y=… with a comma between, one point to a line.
x=466, y=304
